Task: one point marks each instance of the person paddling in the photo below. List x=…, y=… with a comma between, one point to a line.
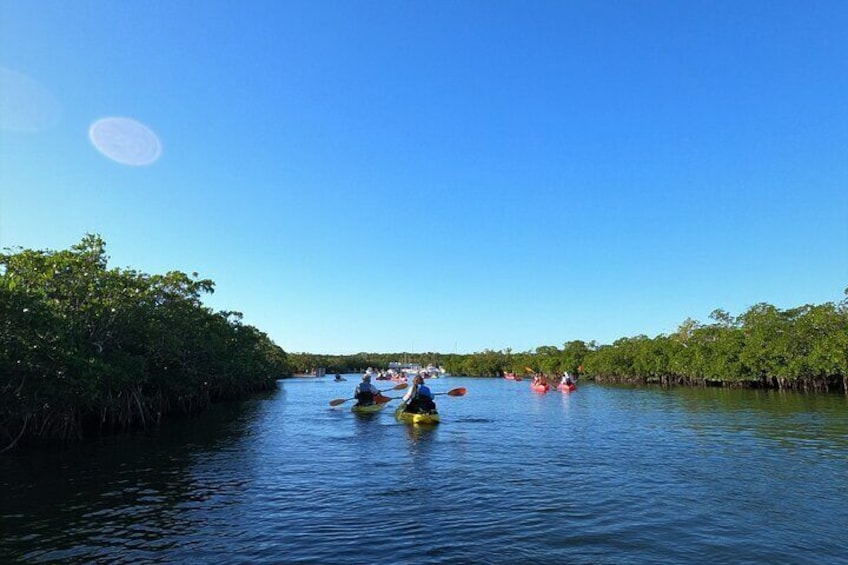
x=365, y=392
x=418, y=398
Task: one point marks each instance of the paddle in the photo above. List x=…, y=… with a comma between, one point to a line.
x=453, y=392
x=338, y=401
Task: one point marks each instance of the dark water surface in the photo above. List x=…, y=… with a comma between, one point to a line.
x=604, y=475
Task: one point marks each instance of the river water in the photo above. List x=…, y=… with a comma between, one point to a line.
x=603, y=475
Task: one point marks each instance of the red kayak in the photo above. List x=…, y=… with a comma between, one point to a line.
x=567, y=388
x=540, y=388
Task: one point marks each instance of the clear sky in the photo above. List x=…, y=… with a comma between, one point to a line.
x=449, y=176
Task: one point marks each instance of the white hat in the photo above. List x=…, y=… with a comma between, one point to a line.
x=366, y=377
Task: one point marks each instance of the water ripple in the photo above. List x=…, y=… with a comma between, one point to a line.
x=607, y=475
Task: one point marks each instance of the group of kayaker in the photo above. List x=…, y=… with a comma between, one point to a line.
x=418, y=398
x=540, y=380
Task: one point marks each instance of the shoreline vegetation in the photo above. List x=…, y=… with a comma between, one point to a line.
x=804, y=349
x=87, y=349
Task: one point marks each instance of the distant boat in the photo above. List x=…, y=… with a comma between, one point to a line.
x=402, y=371
x=412, y=369
x=405, y=367
x=433, y=371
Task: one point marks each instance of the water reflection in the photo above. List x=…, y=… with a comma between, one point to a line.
x=81, y=496
x=642, y=473
x=786, y=419
x=421, y=438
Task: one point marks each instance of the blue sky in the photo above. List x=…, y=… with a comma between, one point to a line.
x=442, y=176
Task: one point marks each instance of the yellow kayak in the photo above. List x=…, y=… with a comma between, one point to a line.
x=381, y=402
x=370, y=409
x=417, y=419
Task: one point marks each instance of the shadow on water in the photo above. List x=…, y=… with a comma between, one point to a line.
x=72, y=498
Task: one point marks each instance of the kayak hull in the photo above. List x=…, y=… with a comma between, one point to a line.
x=416, y=419
x=566, y=388
x=371, y=408
x=540, y=388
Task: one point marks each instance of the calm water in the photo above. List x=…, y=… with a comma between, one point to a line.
x=604, y=475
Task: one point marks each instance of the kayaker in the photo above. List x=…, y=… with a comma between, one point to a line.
x=365, y=391
x=418, y=397
x=566, y=379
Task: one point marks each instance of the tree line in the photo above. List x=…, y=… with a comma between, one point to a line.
x=803, y=348
x=306, y=363
x=85, y=347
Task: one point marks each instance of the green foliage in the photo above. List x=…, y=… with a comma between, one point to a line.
x=305, y=363
x=82, y=346
x=804, y=347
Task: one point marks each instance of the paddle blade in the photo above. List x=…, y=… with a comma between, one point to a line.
x=400, y=386
x=382, y=399
x=457, y=392
x=338, y=401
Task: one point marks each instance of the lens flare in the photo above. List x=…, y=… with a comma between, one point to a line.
x=25, y=105
x=126, y=141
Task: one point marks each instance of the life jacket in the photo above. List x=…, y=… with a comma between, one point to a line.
x=364, y=397
x=421, y=403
